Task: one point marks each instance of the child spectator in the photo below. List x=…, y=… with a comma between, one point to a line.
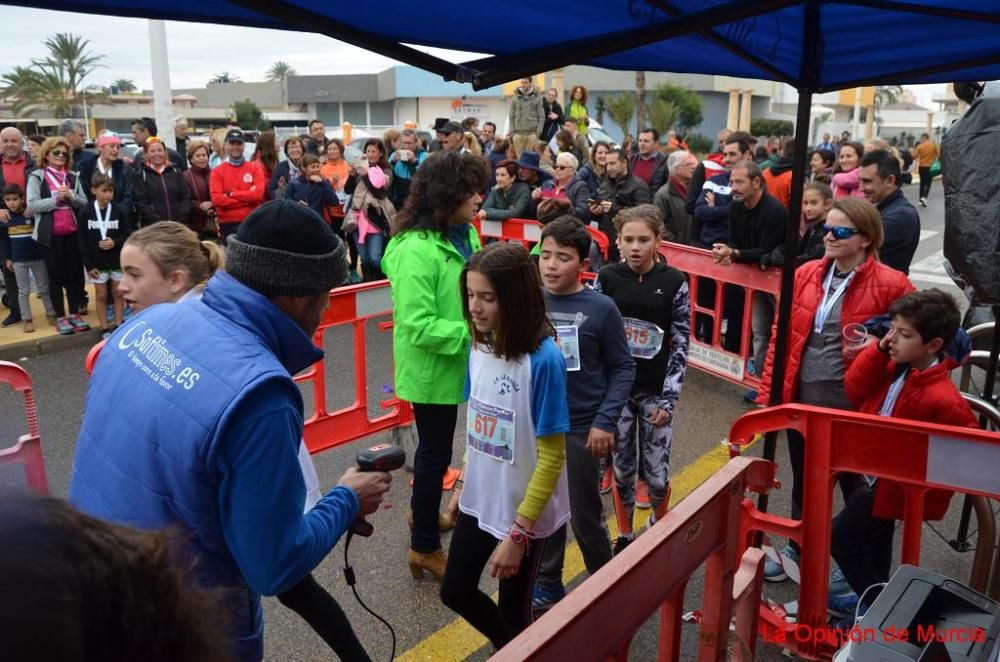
x=599, y=376
x=515, y=493
x=904, y=375
x=103, y=229
x=656, y=306
x=19, y=253
x=846, y=181
x=817, y=200
x=310, y=188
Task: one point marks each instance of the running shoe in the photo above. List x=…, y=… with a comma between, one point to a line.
x=642, y=495
x=11, y=320
x=838, y=584
x=784, y=566
x=64, y=327
x=750, y=395
x=842, y=606
x=79, y=326
x=607, y=480
x=545, y=598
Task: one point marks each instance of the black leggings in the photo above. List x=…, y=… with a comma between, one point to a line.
x=65, y=268
x=318, y=608
x=925, y=182
x=468, y=555
x=436, y=433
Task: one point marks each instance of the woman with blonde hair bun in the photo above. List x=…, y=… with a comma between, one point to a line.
x=166, y=263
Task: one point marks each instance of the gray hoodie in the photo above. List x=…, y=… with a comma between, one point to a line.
x=527, y=113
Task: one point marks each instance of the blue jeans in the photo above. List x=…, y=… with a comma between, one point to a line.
x=371, y=251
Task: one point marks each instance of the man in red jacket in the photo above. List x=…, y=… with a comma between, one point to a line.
x=237, y=186
x=904, y=375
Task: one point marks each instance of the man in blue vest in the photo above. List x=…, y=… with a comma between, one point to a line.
x=193, y=421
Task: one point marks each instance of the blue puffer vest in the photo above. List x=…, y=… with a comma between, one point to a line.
x=162, y=392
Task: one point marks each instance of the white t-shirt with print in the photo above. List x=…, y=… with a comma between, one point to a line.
x=511, y=403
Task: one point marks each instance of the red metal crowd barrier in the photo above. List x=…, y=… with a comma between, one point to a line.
x=919, y=456
x=27, y=452
x=598, y=619
x=706, y=353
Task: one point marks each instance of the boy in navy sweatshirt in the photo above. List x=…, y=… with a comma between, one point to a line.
x=311, y=189
x=600, y=372
x=102, y=231
x=19, y=253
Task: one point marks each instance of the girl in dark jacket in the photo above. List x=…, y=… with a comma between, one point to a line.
x=161, y=194
x=202, y=216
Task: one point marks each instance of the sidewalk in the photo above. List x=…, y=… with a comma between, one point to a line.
x=15, y=343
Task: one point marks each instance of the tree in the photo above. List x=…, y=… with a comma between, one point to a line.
x=124, y=85
x=688, y=105
x=54, y=82
x=885, y=95
x=640, y=99
x=249, y=116
x=662, y=115
x=224, y=77
x=621, y=108
x=280, y=70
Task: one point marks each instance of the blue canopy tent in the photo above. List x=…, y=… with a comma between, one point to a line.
x=813, y=45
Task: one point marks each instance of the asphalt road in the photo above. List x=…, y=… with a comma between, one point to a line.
x=707, y=408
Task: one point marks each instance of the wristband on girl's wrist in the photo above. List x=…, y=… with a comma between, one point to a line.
x=459, y=483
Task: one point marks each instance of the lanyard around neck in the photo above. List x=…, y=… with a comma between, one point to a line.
x=828, y=302
x=103, y=222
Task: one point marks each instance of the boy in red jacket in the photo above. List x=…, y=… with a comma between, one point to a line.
x=904, y=375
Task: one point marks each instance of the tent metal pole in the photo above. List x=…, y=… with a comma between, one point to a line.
x=802, y=126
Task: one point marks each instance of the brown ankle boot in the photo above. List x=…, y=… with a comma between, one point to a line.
x=433, y=562
x=445, y=523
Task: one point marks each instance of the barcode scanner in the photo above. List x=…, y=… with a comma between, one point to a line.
x=384, y=457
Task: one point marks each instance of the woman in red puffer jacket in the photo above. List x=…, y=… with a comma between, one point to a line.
x=849, y=285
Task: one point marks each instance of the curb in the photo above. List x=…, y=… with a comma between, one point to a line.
x=48, y=345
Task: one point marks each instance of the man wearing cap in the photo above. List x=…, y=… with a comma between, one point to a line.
x=527, y=117
x=529, y=170
x=108, y=163
x=193, y=421
x=237, y=186
x=451, y=135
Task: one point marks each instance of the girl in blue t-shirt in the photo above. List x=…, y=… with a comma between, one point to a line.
x=513, y=490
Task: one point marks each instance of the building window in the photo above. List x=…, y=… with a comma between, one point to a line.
x=355, y=113
x=381, y=113
x=328, y=113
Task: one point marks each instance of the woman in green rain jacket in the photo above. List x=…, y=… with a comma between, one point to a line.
x=423, y=262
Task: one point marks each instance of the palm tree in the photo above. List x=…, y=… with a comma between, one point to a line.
x=224, y=77
x=621, y=108
x=124, y=85
x=280, y=70
x=55, y=82
x=640, y=99
x=662, y=115
x=885, y=95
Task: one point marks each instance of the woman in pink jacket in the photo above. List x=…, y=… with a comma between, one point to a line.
x=845, y=182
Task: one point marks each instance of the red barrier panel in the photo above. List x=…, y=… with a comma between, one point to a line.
x=708, y=354
x=27, y=452
x=598, y=619
x=919, y=456
x=19, y=380
x=352, y=306
x=529, y=231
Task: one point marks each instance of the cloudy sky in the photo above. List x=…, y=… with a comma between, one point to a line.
x=199, y=51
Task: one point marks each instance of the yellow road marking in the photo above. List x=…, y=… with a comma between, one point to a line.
x=458, y=640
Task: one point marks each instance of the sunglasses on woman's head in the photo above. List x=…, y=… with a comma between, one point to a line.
x=840, y=231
